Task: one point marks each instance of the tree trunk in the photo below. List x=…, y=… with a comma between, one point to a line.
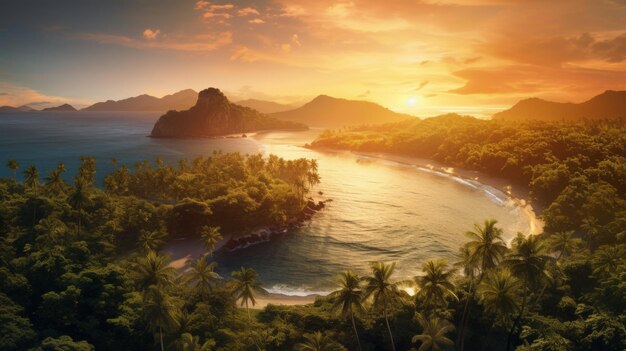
x=393, y=346
x=161, y=335
x=519, y=317
x=249, y=322
x=356, y=333
x=463, y=324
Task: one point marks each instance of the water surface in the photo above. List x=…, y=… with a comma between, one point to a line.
x=381, y=210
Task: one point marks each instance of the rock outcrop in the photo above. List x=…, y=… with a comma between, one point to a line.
x=214, y=115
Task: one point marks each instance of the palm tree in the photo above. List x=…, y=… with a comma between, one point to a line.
x=564, y=243
x=484, y=251
x=31, y=178
x=189, y=342
x=54, y=180
x=527, y=262
x=349, y=298
x=52, y=229
x=13, y=166
x=210, y=237
x=383, y=291
x=78, y=199
x=150, y=240
x=591, y=227
x=318, y=342
x=607, y=258
x=435, y=286
x=245, y=285
x=160, y=310
x=499, y=295
x=203, y=276
x=154, y=269
x=433, y=336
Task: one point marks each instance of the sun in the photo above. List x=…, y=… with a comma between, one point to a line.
x=411, y=101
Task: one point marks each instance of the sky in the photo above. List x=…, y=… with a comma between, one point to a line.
x=419, y=57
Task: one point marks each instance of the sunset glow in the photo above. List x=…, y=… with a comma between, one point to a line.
x=474, y=56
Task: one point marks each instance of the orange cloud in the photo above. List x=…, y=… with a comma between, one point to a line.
x=151, y=34
x=247, y=11
x=256, y=21
x=198, y=43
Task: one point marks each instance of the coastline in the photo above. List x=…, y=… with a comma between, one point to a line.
x=517, y=195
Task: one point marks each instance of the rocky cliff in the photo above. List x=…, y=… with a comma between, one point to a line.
x=214, y=115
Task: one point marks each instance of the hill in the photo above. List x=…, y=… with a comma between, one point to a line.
x=61, y=108
x=264, y=106
x=24, y=108
x=214, y=115
x=610, y=104
x=330, y=112
x=177, y=101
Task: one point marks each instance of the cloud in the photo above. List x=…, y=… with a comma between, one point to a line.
x=245, y=54
x=198, y=43
x=151, y=34
x=221, y=7
x=256, y=21
x=540, y=80
x=14, y=95
x=422, y=85
x=247, y=11
x=202, y=5
x=296, y=40
x=286, y=47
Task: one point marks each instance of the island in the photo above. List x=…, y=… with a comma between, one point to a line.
x=214, y=115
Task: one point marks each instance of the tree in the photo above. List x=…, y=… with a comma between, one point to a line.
x=190, y=342
x=318, y=342
x=150, y=240
x=31, y=178
x=65, y=343
x=203, y=276
x=349, y=298
x=499, y=295
x=210, y=237
x=607, y=258
x=160, y=310
x=54, y=180
x=78, y=198
x=383, y=291
x=154, y=269
x=527, y=262
x=435, y=286
x=245, y=285
x=564, y=243
x=433, y=336
x=483, y=252
x=13, y=165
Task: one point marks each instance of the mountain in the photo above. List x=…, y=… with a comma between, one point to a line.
x=330, y=112
x=609, y=104
x=24, y=108
x=264, y=106
x=61, y=108
x=214, y=115
x=177, y=101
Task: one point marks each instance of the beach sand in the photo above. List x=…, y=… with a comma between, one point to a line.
x=286, y=300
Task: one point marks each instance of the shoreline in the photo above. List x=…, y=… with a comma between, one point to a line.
x=516, y=195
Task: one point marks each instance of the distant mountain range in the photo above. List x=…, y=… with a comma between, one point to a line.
x=264, y=106
x=181, y=100
x=24, y=108
x=609, y=104
x=330, y=112
x=61, y=108
x=214, y=115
